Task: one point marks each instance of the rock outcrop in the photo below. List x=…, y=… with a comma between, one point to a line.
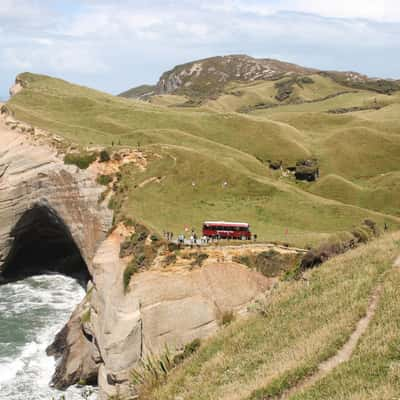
x=33, y=178
x=50, y=220
x=162, y=306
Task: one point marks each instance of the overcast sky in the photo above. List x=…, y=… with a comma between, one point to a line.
x=113, y=45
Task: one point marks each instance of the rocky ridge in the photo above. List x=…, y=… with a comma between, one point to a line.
x=207, y=78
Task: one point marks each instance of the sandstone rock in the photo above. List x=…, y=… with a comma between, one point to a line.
x=16, y=88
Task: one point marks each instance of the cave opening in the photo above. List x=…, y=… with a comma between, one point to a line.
x=43, y=244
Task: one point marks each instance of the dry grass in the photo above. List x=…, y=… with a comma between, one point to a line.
x=305, y=324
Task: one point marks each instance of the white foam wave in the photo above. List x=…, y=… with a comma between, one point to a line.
x=41, y=305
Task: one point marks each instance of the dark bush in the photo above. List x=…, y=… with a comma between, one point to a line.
x=126, y=248
x=227, y=317
x=199, y=259
x=188, y=350
x=361, y=234
x=170, y=259
x=245, y=260
x=131, y=269
x=173, y=246
x=272, y=263
x=104, y=156
x=140, y=259
x=104, y=179
x=305, y=80
x=81, y=160
x=275, y=164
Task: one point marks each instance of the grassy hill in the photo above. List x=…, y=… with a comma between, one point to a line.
x=303, y=324
x=208, y=157
x=140, y=92
x=231, y=139
x=208, y=77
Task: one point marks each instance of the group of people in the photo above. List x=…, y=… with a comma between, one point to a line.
x=168, y=236
x=193, y=238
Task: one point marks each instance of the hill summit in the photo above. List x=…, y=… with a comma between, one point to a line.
x=209, y=77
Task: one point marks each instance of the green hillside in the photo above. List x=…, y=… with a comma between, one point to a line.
x=235, y=150
x=304, y=323
x=139, y=92
x=193, y=150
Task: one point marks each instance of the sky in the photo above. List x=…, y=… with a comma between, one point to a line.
x=113, y=45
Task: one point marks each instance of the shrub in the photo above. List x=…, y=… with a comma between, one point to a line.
x=275, y=164
x=245, y=260
x=104, y=179
x=128, y=221
x=338, y=245
x=200, y=258
x=305, y=80
x=188, y=350
x=227, y=318
x=85, y=317
x=102, y=196
x=170, y=259
x=81, y=160
x=361, y=234
x=125, y=248
x=140, y=259
x=104, y=156
x=138, y=236
x=173, y=246
x=272, y=263
x=131, y=269
x=152, y=371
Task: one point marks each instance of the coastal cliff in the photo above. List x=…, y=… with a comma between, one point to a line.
x=53, y=221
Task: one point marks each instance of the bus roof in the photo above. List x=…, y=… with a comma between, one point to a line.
x=225, y=223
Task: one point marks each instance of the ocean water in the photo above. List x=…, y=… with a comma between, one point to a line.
x=32, y=311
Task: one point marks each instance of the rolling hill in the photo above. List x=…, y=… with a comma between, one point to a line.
x=232, y=137
x=214, y=143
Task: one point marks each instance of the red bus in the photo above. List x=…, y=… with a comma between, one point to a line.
x=227, y=230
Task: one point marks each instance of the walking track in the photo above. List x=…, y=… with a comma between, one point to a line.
x=345, y=353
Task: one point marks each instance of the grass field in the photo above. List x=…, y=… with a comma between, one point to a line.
x=306, y=322
x=202, y=147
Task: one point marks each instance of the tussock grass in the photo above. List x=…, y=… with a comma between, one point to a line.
x=306, y=323
x=373, y=370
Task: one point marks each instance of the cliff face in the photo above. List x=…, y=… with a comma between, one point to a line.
x=43, y=199
x=50, y=221
x=162, y=306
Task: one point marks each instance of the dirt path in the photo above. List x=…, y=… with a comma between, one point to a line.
x=345, y=353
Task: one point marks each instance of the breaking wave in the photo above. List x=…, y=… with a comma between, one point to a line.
x=32, y=311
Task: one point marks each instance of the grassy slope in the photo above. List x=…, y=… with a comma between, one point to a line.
x=208, y=148
x=240, y=95
x=306, y=322
x=138, y=91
